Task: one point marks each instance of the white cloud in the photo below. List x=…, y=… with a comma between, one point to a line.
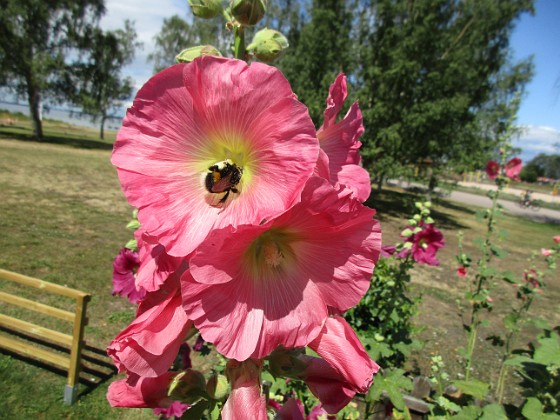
x=538, y=139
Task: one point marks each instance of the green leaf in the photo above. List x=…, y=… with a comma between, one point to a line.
x=510, y=322
x=469, y=412
x=395, y=395
x=549, y=351
x=196, y=411
x=518, y=361
x=473, y=387
x=509, y=277
x=493, y=412
x=498, y=252
x=533, y=409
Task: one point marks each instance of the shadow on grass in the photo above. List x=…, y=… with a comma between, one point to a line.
x=13, y=133
x=400, y=205
x=96, y=367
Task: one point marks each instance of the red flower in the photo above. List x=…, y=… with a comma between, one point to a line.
x=462, y=271
x=492, y=169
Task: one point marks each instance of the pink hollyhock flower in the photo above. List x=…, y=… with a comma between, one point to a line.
x=492, y=169
x=462, y=271
x=556, y=239
x=124, y=275
x=213, y=143
x=425, y=244
x=340, y=162
x=245, y=399
x=512, y=169
x=341, y=348
x=319, y=413
x=155, y=265
x=273, y=284
x=149, y=345
x=140, y=392
x=176, y=409
x=546, y=252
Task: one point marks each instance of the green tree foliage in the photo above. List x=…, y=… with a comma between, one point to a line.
x=99, y=88
x=542, y=165
x=176, y=34
x=35, y=37
x=318, y=51
x=428, y=67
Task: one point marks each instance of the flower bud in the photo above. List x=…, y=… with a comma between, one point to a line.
x=217, y=386
x=189, y=54
x=267, y=45
x=206, y=9
x=188, y=386
x=248, y=12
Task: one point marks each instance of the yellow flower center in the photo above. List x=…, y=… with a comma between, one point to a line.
x=271, y=254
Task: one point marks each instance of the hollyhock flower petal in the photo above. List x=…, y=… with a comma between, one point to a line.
x=140, y=392
x=339, y=140
x=339, y=345
x=327, y=384
x=149, y=345
x=319, y=413
x=513, y=168
x=125, y=265
x=155, y=265
x=291, y=410
x=176, y=409
x=556, y=239
x=213, y=111
x=388, y=250
x=245, y=398
x=492, y=169
x=275, y=285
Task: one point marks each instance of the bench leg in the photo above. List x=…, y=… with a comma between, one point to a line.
x=70, y=394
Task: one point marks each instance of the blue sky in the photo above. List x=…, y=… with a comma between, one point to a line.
x=537, y=35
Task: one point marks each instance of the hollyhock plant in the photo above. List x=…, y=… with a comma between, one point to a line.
x=556, y=239
x=274, y=285
x=424, y=244
x=340, y=162
x=209, y=144
x=149, y=345
x=125, y=266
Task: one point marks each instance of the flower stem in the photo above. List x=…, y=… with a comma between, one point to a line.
x=239, y=42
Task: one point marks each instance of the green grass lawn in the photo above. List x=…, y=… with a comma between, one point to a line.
x=63, y=217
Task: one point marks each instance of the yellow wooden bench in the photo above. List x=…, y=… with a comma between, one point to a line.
x=72, y=342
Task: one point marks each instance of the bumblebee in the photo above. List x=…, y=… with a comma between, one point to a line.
x=223, y=177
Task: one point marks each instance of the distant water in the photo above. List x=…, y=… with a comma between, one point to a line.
x=66, y=115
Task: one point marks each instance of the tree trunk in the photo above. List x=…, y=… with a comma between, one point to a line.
x=34, y=99
x=380, y=183
x=432, y=186
x=102, y=129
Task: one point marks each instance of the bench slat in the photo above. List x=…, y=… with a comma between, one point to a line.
x=41, y=284
x=21, y=347
x=37, y=307
x=35, y=330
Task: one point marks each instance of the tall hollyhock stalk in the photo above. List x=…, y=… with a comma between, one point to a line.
x=479, y=296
